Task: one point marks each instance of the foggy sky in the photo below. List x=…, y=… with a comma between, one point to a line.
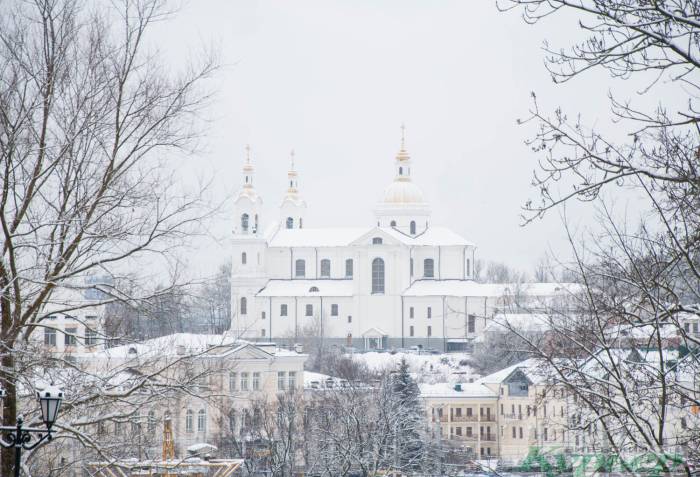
x=334, y=81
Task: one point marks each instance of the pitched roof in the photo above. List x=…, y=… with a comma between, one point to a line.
x=472, y=288
x=288, y=288
x=447, y=390
x=316, y=237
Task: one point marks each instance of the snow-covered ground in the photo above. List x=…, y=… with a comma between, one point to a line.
x=426, y=368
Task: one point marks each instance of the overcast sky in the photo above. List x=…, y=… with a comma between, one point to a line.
x=334, y=80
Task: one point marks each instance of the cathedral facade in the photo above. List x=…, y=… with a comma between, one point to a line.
x=399, y=282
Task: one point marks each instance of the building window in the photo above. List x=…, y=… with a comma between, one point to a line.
x=430, y=331
x=232, y=382
x=292, y=379
x=377, y=275
x=244, y=306
x=325, y=268
x=281, y=380
x=349, y=319
x=50, y=336
x=202, y=420
x=300, y=268
x=413, y=227
x=256, y=381
x=151, y=424
x=471, y=324
x=263, y=315
x=283, y=309
x=189, y=420
x=410, y=330
x=69, y=337
x=90, y=337
x=300, y=222
x=428, y=268
x=309, y=310
x=334, y=309
x=262, y=332
x=244, y=222
x=430, y=312
x=244, y=381
x=520, y=432
x=377, y=241
x=411, y=312
x=244, y=258
x=514, y=431
x=313, y=290
x=393, y=223
x=348, y=268
x=411, y=267
x=290, y=223
x=469, y=267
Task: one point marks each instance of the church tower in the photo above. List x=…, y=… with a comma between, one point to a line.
x=403, y=207
x=248, y=260
x=293, y=207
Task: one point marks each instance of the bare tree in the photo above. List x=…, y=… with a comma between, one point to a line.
x=87, y=118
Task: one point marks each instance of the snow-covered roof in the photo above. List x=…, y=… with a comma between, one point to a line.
x=530, y=367
x=472, y=288
x=345, y=236
x=304, y=288
x=316, y=237
x=433, y=236
x=447, y=390
x=525, y=322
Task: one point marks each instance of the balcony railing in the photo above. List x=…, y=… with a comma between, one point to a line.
x=464, y=418
x=518, y=417
x=488, y=418
x=463, y=437
x=488, y=437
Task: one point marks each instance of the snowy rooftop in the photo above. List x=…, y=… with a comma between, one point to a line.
x=316, y=237
x=525, y=322
x=434, y=236
x=530, y=367
x=447, y=390
x=304, y=288
x=343, y=236
x=471, y=288
x=186, y=343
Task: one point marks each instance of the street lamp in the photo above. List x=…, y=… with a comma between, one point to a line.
x=21, y=437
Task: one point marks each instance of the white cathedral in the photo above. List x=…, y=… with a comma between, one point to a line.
x=398, y=283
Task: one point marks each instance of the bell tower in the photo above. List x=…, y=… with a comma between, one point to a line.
x=293, y=206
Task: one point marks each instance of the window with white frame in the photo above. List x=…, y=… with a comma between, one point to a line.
x=244, y=305
x=233, y=382
x=202, y=420
x=300, y=268
x=325, y=268
x=90, y=337
x=428, y=268
x=256, y=381
x=244, y=381
x=283, y=309
x=69, y=337
x=281, y=380
x=50, y=336
x=377, y=276
x=189, y=421
x=309, y=310
x=334, y=309
x=348, y=268
x=292, y=379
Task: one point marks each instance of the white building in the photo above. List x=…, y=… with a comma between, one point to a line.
x=398, y=282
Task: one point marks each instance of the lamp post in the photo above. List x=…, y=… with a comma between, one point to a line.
x=21, y=437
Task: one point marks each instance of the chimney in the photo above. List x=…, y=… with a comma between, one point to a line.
x=458, y=387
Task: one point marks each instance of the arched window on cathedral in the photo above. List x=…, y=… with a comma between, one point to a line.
x=413, y=227
x=244, y=306
x=202, y=420
x=244, y=258
x=377, y=241
x=290, y=223
x=189, y=418
x=428, y=268
x=325, y=268
x=393, y=223
x=400, y=171
x=244, y=222
x=377, y=276
x=256, y=223
x=300, y=268
x=469, y=267
x=348, y=268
